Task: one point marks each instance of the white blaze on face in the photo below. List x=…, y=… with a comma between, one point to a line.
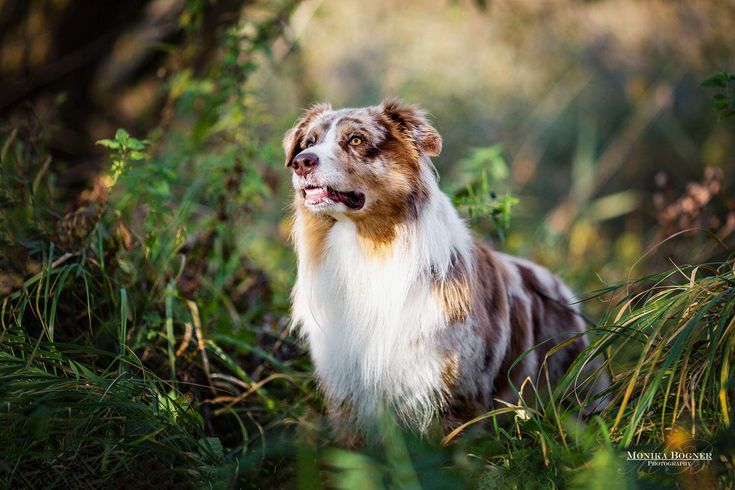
x=327, y=172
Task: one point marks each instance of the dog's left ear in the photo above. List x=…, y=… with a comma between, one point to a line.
x=412, y=121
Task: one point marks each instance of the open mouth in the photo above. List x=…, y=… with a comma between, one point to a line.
x=326, y=195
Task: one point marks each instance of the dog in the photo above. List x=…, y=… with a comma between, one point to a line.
x=401, y=308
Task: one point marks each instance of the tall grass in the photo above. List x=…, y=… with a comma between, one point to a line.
x=81, y=407
x=67, y=424
x=685, y=332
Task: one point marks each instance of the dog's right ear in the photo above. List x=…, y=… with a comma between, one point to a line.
x=412, y=121
x=295, y=136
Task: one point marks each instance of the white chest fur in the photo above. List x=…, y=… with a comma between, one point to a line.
x=372, y=321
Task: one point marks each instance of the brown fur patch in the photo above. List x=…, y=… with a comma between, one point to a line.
x=396, y=199
x=450, y=372
x=537, y=314
x=341, y=419
x=455, y=291
x=315, y=230
x=491, y=314
x=412, y=121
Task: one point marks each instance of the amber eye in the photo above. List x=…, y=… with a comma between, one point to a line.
x=355, y=141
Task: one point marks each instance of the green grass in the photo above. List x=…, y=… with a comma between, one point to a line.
x=68, y=424
x=682, y=325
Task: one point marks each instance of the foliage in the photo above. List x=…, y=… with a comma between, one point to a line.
x=725, y=101
x=124, y=150
x=80, y=407
x=485, y=165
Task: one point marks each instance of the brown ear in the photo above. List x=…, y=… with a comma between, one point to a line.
x=293, y=138
x=412, y=121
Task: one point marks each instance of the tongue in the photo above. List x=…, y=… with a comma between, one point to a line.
x=316, y=194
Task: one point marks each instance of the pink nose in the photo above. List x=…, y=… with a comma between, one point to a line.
x=304, y=163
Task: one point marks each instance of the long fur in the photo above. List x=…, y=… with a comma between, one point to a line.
x=400, y=307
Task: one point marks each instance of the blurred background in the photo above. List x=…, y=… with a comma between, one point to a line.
x=143, y=194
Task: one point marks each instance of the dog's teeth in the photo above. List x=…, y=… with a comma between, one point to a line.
x=315, y=193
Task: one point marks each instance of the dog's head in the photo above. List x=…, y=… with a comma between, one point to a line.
x=361, y=163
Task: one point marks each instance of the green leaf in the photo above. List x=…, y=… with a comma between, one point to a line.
x=108, y=143
x=213, y=446
x=138, y=155
x=720, y=80
x=122, y=136
x=136, y=144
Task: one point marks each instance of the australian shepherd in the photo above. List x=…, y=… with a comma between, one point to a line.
x=400, y=307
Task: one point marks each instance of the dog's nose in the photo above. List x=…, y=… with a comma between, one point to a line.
x=304, y=163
